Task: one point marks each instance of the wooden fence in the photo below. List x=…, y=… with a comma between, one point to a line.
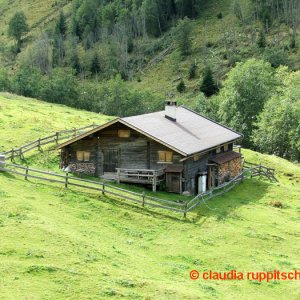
x=259, y=170
x=102, y=187
x=55, y=138
x=141, y=198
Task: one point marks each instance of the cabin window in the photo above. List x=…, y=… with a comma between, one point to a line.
x=83, y=156
x=218, y=150
x=196, y=157
x=165, y=156
x=225, y=147
x=124, y=133
x=86, y=156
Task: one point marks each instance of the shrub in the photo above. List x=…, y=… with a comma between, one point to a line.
x=181, y=86
x=276, y=57
x=292, y=42
x=261, y=42
x=192, y=70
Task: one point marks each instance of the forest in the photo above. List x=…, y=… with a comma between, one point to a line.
x=234, y=61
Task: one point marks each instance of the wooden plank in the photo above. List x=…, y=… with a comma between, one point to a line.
x=48, y=142
x=164, y=200
x=164, y=207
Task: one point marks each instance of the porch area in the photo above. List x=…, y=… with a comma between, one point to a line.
x=140, y=176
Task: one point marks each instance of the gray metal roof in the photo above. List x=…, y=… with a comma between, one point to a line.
x=191, y=133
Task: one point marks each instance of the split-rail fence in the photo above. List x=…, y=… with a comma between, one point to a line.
x=182, y=206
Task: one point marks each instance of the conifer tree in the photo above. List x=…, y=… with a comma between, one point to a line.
x=208, y=86
x=95, y=65
x=61, y=24
x=261, y=42
x=181, y=86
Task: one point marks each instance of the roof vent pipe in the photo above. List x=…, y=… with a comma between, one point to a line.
x=170, y=110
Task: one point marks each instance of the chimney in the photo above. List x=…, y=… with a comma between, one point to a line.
x=170, y=110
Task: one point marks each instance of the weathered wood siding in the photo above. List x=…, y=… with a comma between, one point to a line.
x=192, y=169
x=134, y=152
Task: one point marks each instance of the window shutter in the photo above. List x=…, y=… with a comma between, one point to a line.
x=79, y=155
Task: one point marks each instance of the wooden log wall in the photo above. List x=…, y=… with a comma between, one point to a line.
x=192, y=168
x=134, y=152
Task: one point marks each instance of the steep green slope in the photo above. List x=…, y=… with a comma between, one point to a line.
x=217, y=42
x=23, y=120
x=40, y=15
x=62, y=244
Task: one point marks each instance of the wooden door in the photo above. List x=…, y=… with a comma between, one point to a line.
x=173, y=182
x=111, y=159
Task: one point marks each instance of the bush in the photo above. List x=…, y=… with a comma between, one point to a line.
x=276, y=57
x=220, y=15
x=181, y=86
x=26, y=82
x=60, y=87
x=261, y=42
x=292, y=42
x=5, y=84
x=192, y=70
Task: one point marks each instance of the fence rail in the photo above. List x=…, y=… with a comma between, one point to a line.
x=259, y=170
x=102, y=187
x=54, y=138
x=140, y=198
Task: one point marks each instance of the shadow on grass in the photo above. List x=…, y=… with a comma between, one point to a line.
x=8, y=175
x=248, y=192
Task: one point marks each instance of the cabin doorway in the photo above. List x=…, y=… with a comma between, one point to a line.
x=111, y=159
x=174, y=179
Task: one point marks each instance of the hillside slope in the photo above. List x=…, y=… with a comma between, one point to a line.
x=218, y=42
x=23, y=120
x=62, y=244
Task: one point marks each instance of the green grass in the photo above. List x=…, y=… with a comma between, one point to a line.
x=23, y=120
x=61, y=243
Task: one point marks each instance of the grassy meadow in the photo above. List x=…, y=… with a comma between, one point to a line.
x=58, y=243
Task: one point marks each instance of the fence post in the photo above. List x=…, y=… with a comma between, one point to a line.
x=26, y=173
x=67, y=180
x=56, y=137
x=154, y=182
x=2, y=161
x=185, y=210
x=143, y=199
x=260, y=169
x=103, y=189
x=12, y=154
x=39, y=144
x=21, y=154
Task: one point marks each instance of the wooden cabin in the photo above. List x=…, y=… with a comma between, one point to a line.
x=177, y=148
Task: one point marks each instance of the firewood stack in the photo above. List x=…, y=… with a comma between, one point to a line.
x=229, y=170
